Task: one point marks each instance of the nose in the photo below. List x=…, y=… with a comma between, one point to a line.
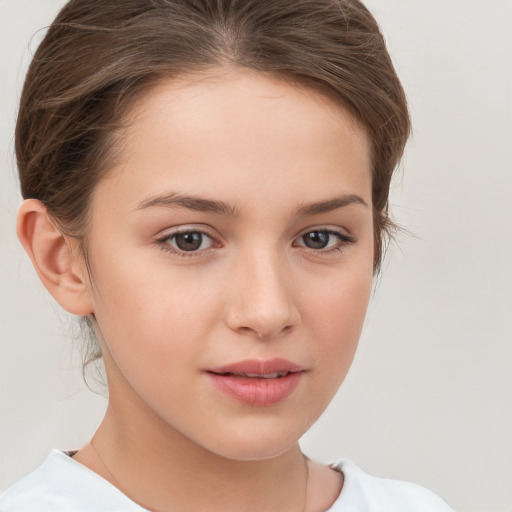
x=262, y=302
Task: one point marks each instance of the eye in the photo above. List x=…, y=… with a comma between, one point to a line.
x=324, y=239
x=186, y=241
x=317, y=239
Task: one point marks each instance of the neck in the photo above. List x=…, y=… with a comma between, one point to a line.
x=162, y=470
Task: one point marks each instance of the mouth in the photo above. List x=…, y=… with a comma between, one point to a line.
x=256, y=368
x=257, y=383
x=249, y=375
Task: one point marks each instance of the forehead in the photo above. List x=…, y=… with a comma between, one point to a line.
x=238, y=128
x=215, y=94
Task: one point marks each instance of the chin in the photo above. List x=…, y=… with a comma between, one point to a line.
x=245, y=452
x=257, y=442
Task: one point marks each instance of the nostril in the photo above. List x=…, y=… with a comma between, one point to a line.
x=265, y=334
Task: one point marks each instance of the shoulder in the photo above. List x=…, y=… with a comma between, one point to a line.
x=366, y=493
x=61, y=484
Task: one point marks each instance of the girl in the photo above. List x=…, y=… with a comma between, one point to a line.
x=206, y=184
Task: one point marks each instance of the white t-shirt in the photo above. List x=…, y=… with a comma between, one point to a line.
x=62, y=484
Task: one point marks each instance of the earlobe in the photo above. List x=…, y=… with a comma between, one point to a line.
x=56, y=265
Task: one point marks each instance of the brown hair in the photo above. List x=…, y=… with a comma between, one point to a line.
x=98, y=56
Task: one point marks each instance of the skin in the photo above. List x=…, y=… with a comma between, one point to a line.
x=253, y=289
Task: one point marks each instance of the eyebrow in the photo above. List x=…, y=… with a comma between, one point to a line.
x=201, y=204
x=329, y=205
x=195, y=203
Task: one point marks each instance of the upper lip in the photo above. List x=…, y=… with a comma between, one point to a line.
x=258, y=367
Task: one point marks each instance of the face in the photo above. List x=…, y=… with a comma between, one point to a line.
x=232, y=254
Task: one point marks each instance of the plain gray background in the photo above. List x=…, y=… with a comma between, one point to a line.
x=429, y=396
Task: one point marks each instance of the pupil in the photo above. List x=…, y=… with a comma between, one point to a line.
x=189, y=241
x=316, y=239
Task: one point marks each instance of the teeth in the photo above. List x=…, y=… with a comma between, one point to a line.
x=274, y=375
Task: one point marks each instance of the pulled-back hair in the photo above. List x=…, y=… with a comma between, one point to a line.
x=99, y=56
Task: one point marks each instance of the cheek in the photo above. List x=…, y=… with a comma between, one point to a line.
x=154, y=314
x=153, y=327
x=335, y=318
x=345, y=307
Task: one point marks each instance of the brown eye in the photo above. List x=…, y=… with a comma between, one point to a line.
x=190, y=241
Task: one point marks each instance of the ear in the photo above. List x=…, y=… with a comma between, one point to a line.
x=61, y=271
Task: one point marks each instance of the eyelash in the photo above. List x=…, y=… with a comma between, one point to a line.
x=163, y=242
x=344, y=240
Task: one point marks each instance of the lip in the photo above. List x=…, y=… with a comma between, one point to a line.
x=261, y=367
x=261, y=388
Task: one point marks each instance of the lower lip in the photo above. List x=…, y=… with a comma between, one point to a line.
x=254, y=391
